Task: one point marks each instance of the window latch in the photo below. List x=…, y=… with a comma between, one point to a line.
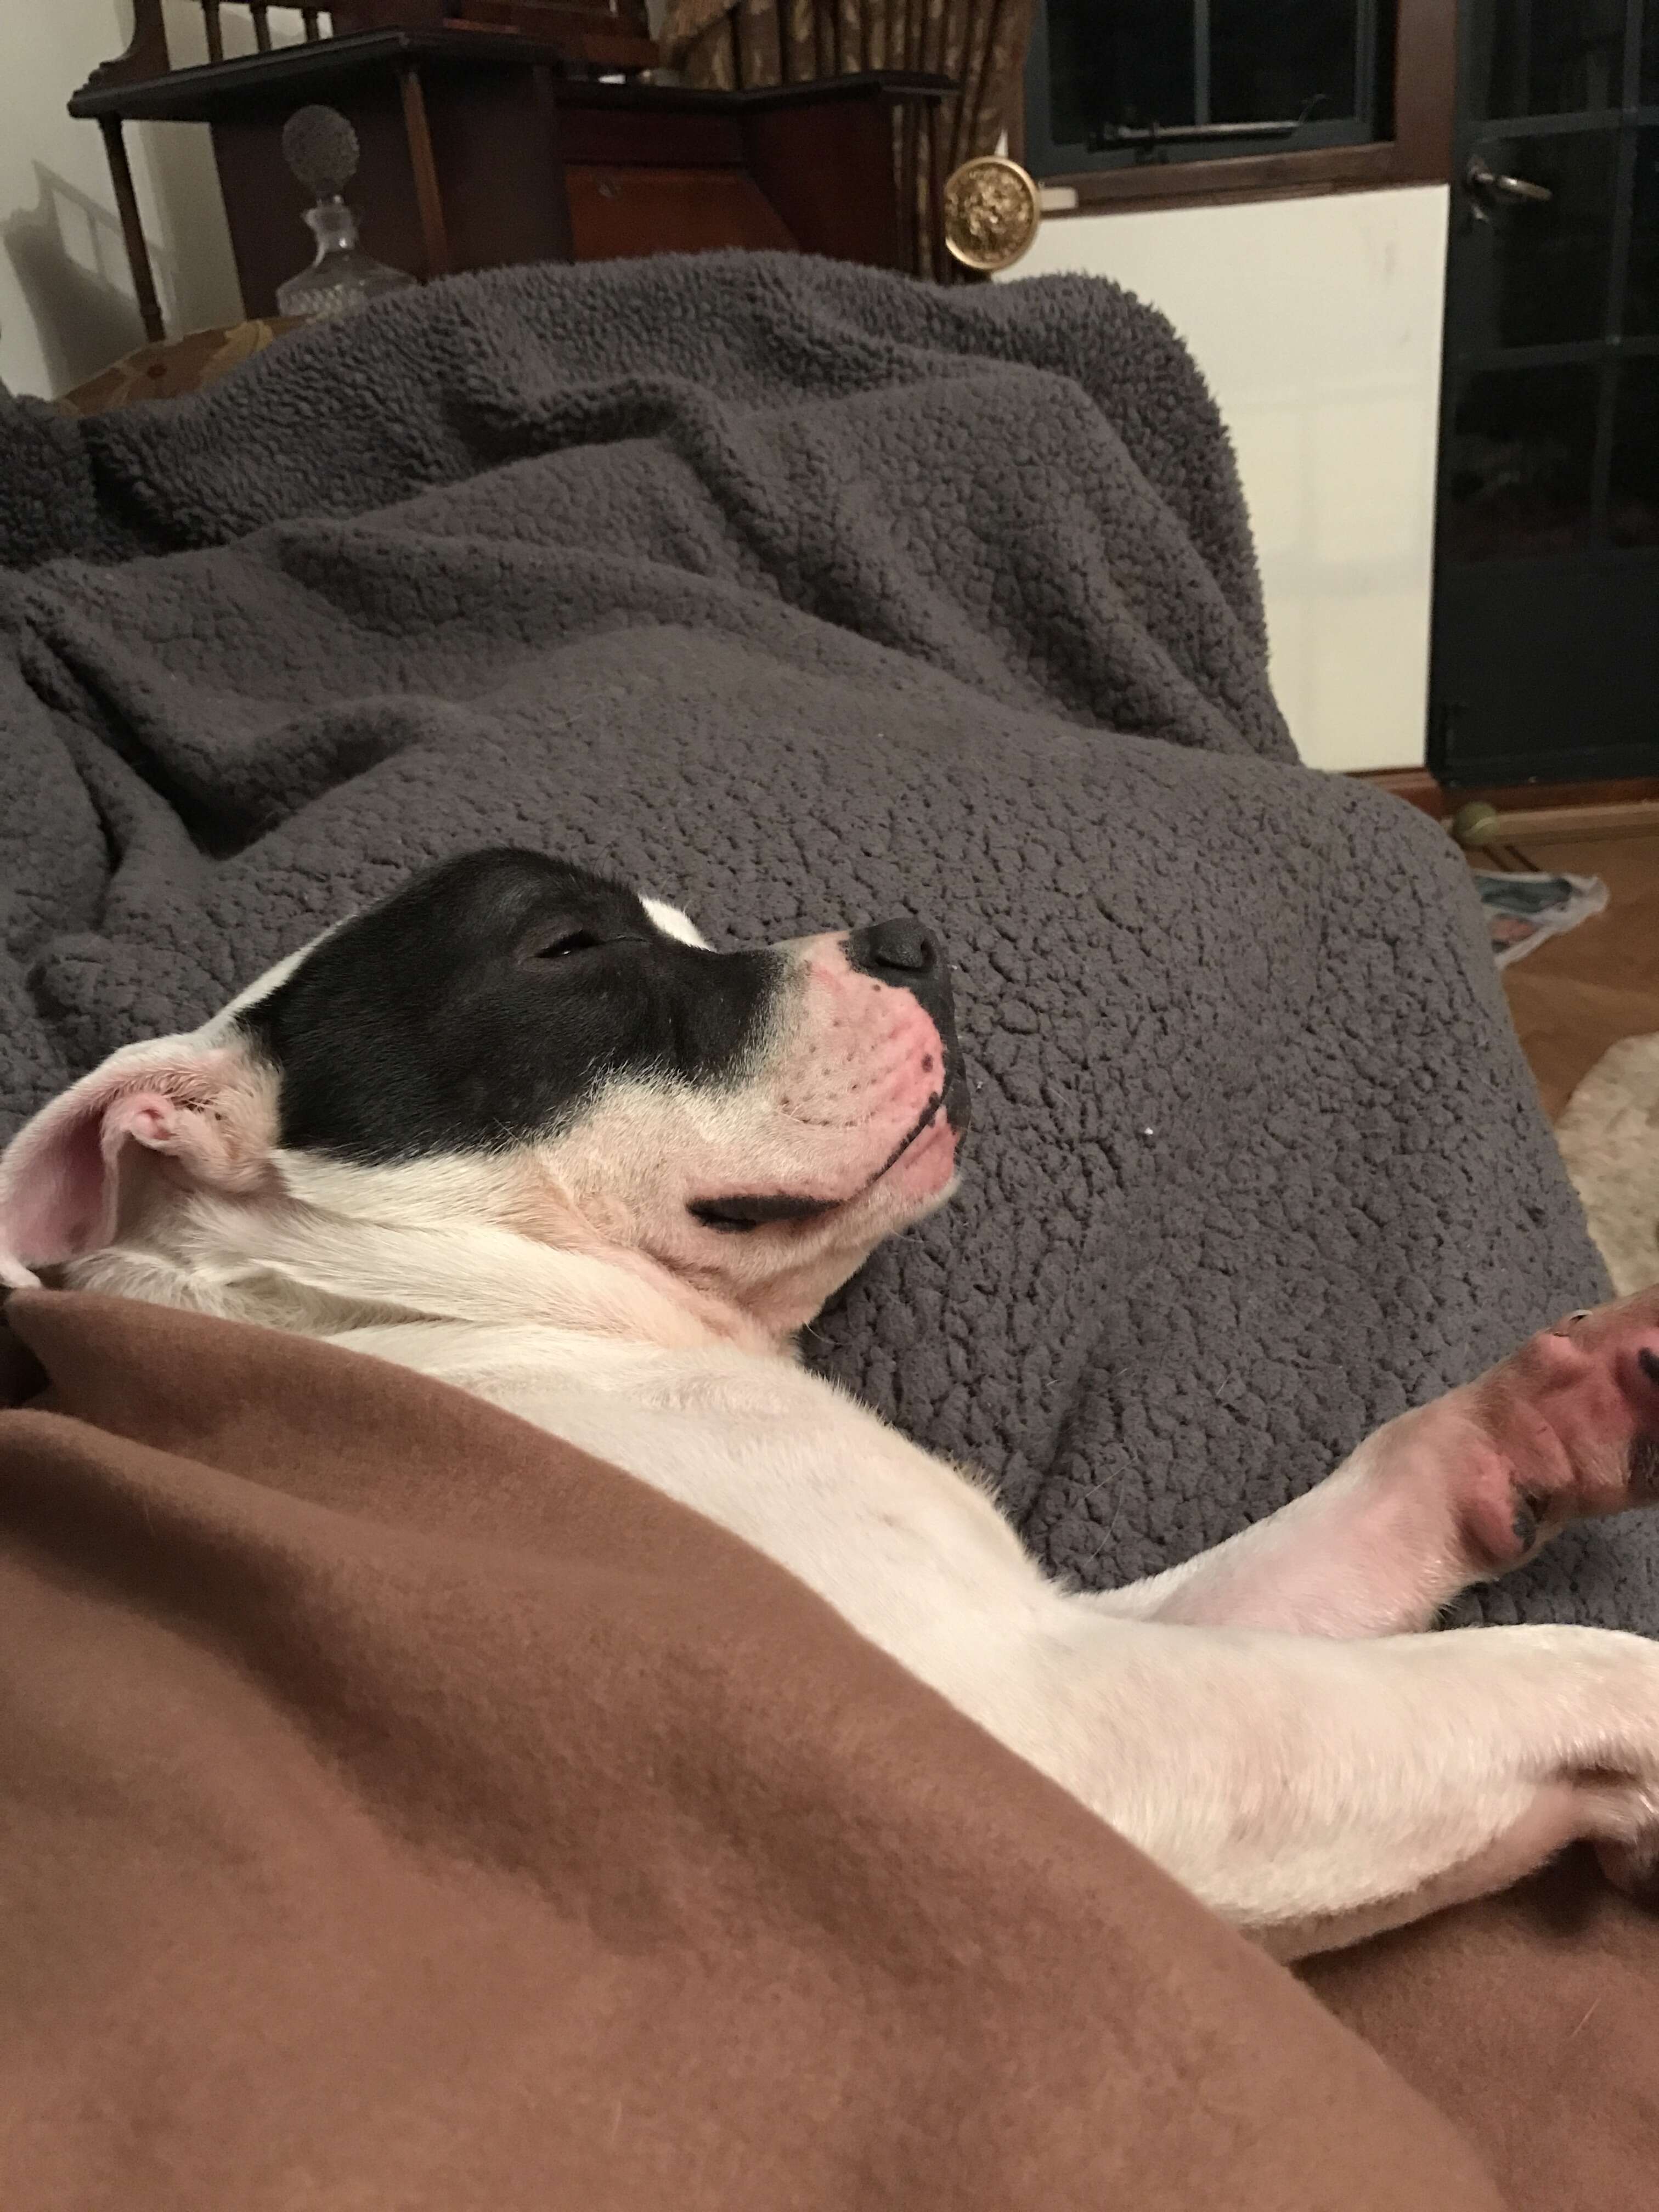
x=1147, y=138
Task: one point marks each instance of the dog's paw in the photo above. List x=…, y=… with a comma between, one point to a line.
x=1565, y=1429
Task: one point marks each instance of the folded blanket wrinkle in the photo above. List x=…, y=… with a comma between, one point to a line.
x=801, y=594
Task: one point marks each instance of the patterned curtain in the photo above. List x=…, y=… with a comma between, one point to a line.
x=979, y=43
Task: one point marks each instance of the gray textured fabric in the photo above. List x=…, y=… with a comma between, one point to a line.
x=803, y=595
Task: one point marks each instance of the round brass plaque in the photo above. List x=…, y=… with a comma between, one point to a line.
x=992, y=213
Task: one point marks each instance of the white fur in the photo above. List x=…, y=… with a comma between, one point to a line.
x=673, y=923
x=1255, y=1721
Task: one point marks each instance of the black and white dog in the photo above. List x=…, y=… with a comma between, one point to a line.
x=519, y=1128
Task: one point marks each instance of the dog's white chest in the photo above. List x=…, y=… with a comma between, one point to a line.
x=910, y=1551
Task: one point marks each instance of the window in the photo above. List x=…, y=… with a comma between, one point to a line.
x=1160, y=100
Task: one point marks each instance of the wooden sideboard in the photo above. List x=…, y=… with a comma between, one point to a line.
x=486, y=147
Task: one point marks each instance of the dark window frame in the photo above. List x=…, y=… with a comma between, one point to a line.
x=1421, y=104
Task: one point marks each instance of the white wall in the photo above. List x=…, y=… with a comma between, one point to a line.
x=1317, y=324
x=66, y=303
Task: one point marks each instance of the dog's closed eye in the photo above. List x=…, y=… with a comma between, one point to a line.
x=562, y=945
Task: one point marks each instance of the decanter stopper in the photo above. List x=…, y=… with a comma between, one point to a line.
x=320, y=148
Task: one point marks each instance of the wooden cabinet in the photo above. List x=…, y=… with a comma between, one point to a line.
x=481, y=147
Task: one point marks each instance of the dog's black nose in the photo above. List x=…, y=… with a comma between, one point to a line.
x=907, y=957
x=901, y=948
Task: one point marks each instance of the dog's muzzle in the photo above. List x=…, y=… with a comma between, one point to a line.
x=908, y=956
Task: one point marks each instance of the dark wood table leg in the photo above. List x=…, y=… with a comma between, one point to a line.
x=132, y=229
x=429, y=196
x=942, y=266
x=548, y=102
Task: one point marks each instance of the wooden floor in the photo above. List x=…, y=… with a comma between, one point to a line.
x=1578, y=995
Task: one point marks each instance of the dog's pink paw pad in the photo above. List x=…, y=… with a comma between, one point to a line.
x=1573, y=1420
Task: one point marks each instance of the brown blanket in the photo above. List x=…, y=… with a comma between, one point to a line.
x=398, y=1808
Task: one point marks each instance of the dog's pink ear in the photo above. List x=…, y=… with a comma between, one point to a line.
x=209, y=1109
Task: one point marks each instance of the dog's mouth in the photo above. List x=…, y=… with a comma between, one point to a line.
x=736, y=1216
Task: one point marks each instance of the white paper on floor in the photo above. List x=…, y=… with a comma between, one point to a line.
x=1522, y=911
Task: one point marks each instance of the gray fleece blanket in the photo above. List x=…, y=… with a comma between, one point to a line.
x=803, y=595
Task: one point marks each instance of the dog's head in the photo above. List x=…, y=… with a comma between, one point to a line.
x=510, y=1048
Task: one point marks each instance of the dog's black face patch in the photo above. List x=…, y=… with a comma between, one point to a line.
x=485, y=1002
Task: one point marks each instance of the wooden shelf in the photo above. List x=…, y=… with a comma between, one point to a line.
x=482, y=149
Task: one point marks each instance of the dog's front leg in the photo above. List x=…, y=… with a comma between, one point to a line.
x=1457, y=1492
x=1315, y=1792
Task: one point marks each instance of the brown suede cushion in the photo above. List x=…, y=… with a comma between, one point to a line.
x=401, y=1809
x=1530, y=2019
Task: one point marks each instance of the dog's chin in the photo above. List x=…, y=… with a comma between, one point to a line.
x=915, y=1176
x=801, y=1272
x=923, y=1175
x=916, y=1183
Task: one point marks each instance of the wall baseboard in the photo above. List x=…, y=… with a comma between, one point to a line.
x=1586, y=810
x=1416, y=786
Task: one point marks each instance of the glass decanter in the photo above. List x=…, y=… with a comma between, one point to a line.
x=343, y=276
x=320, y=148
